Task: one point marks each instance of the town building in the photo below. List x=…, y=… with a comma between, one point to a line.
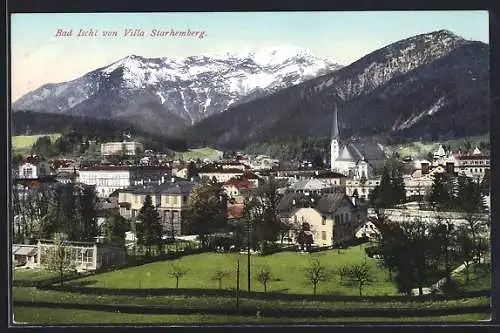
x=238, y=189
x=474, y=165
x=108, y=179
x=128, y=148
x=222, y=172
x=332, y=218
x=35, y=167
x=86, y=256
x=170, y=199
x=331, y=177
x=354, y=158
x=25, y=255
x=361, y=188
x=309, y=186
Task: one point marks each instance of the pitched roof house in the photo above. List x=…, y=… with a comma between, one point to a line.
x=332, y=217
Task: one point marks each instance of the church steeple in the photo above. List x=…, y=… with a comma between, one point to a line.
x=335, y=141
x=335, y=128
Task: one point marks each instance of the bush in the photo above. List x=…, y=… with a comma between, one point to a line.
x=371, y=251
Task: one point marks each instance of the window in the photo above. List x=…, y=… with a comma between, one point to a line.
x=324, y=220
x=323, y=235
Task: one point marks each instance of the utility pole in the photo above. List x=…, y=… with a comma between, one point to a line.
x=248, y=255
x=238, y=282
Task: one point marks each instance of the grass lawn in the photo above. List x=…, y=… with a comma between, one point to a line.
x=419, y=148
x=287, y=269
x=23, y=143
x=31, y=275
x=200, y=153
x=479, y=279
x=64, y=316
x=228, y=302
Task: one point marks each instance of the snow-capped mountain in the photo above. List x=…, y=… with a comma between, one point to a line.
x=425, y=86
x=177, y=92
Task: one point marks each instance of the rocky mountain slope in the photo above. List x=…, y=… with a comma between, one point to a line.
x=428, y=86
x=164, y=95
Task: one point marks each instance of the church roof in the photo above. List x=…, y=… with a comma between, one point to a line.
x=369, y=151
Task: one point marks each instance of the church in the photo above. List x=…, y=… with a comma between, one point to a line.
x=354, y=158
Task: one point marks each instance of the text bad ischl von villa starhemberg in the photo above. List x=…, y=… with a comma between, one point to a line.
x=130, y=33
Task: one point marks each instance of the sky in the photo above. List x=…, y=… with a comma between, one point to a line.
x=40, y=56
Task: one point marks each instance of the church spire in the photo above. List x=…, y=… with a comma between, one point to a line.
x=335, y=128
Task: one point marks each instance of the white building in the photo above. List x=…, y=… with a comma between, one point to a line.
x=332, y=219
x=355, y=158
x=108, y=179
x=34, y=167
x=86, y=256
x=129, y=148
x=473, y=165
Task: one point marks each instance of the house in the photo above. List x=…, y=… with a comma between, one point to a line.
x=474, y=165
x=331, y=177
x=35, y=167
x=354, y=158
x=129, y=148
x=169, y=198
x=367, y=230
x=181, y=173
x=86, y=256
x=237, y=188
x=331, y=218
x=221, y=173
x=309, y=186
x=25, y=255
x=108, y=179
x=361, y=188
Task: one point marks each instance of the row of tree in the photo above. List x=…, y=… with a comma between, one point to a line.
x=41, y=212
x=358, y=275
x=416, y=251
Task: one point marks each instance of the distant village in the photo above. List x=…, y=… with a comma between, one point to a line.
x=334, y=202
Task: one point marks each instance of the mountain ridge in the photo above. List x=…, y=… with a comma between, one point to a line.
x=185, y=90
x=306, y=109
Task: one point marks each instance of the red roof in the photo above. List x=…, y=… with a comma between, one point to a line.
x=235, y=211
x=239, y=183
x=33, y=159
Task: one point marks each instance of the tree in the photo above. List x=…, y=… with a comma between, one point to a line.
x=192, y=170
x=88, y=214
x=316, y=273
x=206, y=211
x=465, y=250
x=397, y=184
x=441, y=195
x=177, y=272
x=43, y=147
x=304, y=237
x=358, y=274
x=442, y=233
x=416, y=250
x=263, y=276
x=220, y=275
x=149, y=229
x=470, y=200
x=57, y=258
x=381, y=196
x=388, y=240
x=114, y=228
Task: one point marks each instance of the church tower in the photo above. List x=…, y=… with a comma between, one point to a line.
x=335, y=141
